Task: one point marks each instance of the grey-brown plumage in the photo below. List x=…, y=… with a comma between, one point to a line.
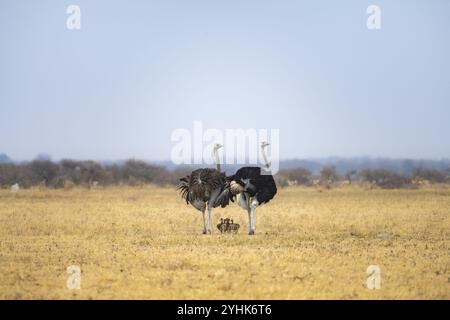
x=228, y=226
x=201, y=189
x=222, y=226
x=200, y=185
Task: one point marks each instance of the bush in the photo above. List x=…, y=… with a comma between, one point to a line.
x=328, y=175
x=385, y=179
x=349, y=175
x=136, y=171
x=298, y=176
x=431, y=175
x=44, y=171
x=68, y=173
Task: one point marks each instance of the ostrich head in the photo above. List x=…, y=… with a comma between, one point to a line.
x=237, y=187
x=241, y=185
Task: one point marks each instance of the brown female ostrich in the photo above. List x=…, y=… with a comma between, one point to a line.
x=202, y=187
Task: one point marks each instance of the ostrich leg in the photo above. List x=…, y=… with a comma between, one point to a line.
x=250, y=230
x=252, y=209
x=209, y=218
x=203, y=219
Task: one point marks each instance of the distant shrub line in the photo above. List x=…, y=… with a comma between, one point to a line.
x=380, y=178
x=68, y=173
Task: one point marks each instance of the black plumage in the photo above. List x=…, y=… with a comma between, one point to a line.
x=256, y=184
x=252, y=187
x=252, y=182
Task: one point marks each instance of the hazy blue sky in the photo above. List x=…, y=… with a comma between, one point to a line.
x=137, y=70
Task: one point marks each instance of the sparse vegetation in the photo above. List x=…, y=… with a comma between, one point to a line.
x=349, y=176
x=145, y=242
x=298, y=176
x=328, y=175
x=431, y=175
x=84, y=173
x=68, y=173
x=385, y=179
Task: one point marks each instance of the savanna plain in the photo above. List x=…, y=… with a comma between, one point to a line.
x=146, y=243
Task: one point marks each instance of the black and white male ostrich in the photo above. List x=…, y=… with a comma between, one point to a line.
x=251, y=188
x=202, y=187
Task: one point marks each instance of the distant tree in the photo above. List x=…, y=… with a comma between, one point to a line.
x=8, y=174
x=44, y=170
x=137, y=171
x=385, y=179
x=349, y=175
x=328, y=174
x=432, y=175
x=70, y=170
x=113, y=174
x=300, y=175
x=90, y=171
x=69, y=165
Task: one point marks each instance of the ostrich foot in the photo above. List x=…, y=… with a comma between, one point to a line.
x=251, y=232
x=204, y=231
x=209, y=231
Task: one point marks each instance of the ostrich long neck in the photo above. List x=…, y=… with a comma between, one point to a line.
x=266, y=162
x=216, y=153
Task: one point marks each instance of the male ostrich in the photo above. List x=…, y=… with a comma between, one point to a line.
x=202, y=187
x=251, y=189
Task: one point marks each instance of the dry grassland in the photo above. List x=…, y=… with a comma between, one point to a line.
x=147, y=243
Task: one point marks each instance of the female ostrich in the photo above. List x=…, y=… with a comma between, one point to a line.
x=202, y=187
x=251, y=189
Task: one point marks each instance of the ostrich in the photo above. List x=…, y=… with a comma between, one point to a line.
x=202, y=187
x=234, y=227
x=222, y=226
x=227, y=226
x=251, y=189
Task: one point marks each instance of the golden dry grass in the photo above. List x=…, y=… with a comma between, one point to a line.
x=146, y=243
